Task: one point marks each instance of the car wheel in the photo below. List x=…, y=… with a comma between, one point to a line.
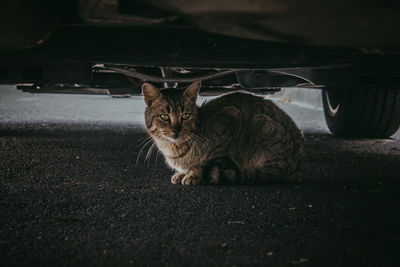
x=362, y=112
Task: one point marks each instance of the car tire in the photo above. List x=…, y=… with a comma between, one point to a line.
x=370, y=113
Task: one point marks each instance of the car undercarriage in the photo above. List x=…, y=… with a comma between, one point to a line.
x=112, y=47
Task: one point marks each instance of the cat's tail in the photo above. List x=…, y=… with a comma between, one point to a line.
x=268, y=175
x=223, y=170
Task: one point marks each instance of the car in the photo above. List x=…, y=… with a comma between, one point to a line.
x=349, y=50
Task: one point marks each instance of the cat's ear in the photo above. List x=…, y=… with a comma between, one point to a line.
x=192, y=91
x=150, y=93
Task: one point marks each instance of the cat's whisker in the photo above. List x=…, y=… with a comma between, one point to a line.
x=199, y=141
x=150, y=151
x=191, y=145
x=198, y=137
x=202, y=138
x=144, y=140
x=147, y=142
x=157, y=154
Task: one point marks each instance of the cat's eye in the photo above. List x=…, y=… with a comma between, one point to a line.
x=185, y=116
x=164, y=117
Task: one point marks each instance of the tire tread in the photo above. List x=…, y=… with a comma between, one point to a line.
x=365, y=112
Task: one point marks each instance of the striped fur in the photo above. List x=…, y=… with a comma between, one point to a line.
x=238, y=138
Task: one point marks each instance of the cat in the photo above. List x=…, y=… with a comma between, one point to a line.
x=237, y=138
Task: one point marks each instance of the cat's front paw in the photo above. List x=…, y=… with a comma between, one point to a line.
x=191, y=178
x=177, y=178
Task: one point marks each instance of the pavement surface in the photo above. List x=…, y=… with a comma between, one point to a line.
x=73, y=194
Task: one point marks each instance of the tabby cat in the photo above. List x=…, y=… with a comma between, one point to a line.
x=238, y=138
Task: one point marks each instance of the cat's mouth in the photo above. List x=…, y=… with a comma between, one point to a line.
x=174, y=138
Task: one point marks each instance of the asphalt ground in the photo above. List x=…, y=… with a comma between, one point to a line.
x=74, y=191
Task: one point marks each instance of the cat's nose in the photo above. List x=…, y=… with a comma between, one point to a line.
x=176, y=131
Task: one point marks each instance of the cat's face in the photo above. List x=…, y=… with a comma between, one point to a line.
x=171, y=113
